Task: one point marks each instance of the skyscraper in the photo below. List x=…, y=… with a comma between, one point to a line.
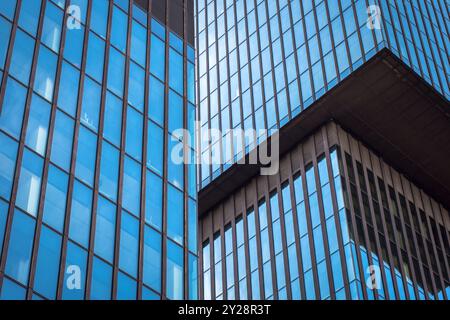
x=355, y=94
x=91, y=204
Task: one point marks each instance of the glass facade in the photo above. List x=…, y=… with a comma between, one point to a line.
x=91, y=204
x=336, y=223
x=261, y=63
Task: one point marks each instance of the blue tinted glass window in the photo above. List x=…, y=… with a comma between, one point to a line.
x=113, y=119
x=175, y=214
x=47, y=268
x=192, y=226
x=3, y=216
x=156, y=101
x=44, y=82
x=68, y=89
x=29, y=15
x=153, y=207
x=95, y=57
x=8, y=8
x=116, y=72
x=175, y=162
x=51, y=31
x=8, y=153
x=75, y=273
x=138, y=43
x=129, y=244
x=152, y=259
x=22, y=57
x=119, y=29
x=109, y=171
x=175, y=112
x=20, y=247
x=158, y=29
x=155, y=148
x=136, y=85
x=175, y=274
x=134, y=127
x=73, y=45
x=12, y=291
x=29, y=188
x=80, y=216
x=82, y=5
x=55, y=198
x=157, y=60
x=105, y=229
x=13, y=106
x=191, y=82
x=126, y=287
x=99, y=16
x=62, y=141
x=101, y=280
x=86, y=155
x=90, y=107
x=176, y=74
x=132, y=185
x=5, y=31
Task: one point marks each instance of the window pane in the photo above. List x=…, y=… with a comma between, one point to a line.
x=101, y=280
x=109, y=171
x=90, y=107
x=12, y=291
x=29, y=187
x=45, y=73
x=75, y=269
x=80, y=216
x=175, y=210
x=68, y=89
x=175, y=162
x=175, y=272
x=156, y=101
x=47, y=268
x=155, y=148
x=153, y=206
x=95, y=57
x=73, y=45
x=8, y=153
x=138, y=43
x=105, y=229
x=55, y=198
x=126, y=287
x=133, y=143
x=20, y=247
x=62, y=141
x=51, y=31
x=37, y=128
x=113, y=119
x=152, y=259
x=176, y=74
x=22, y=57
x=192, y=227
x=119, y=29
x=132, y=186
x=5, y=31
x=86, y=155
x=116, y=72
x=13, y=106
x=175, y=112
x=136, y=85
x=8, y=8
x=129, y=244
x=99, y=16
x=157, y=57
x=29, y=15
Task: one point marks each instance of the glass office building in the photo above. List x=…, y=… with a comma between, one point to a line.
x=91, y=204
x=358, y=91
x=261, y=63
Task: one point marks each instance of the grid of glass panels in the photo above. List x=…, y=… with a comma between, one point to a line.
x=92, y=206
x=262, y=62
x=338, y=231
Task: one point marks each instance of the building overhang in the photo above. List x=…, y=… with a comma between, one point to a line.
x=386, y=105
